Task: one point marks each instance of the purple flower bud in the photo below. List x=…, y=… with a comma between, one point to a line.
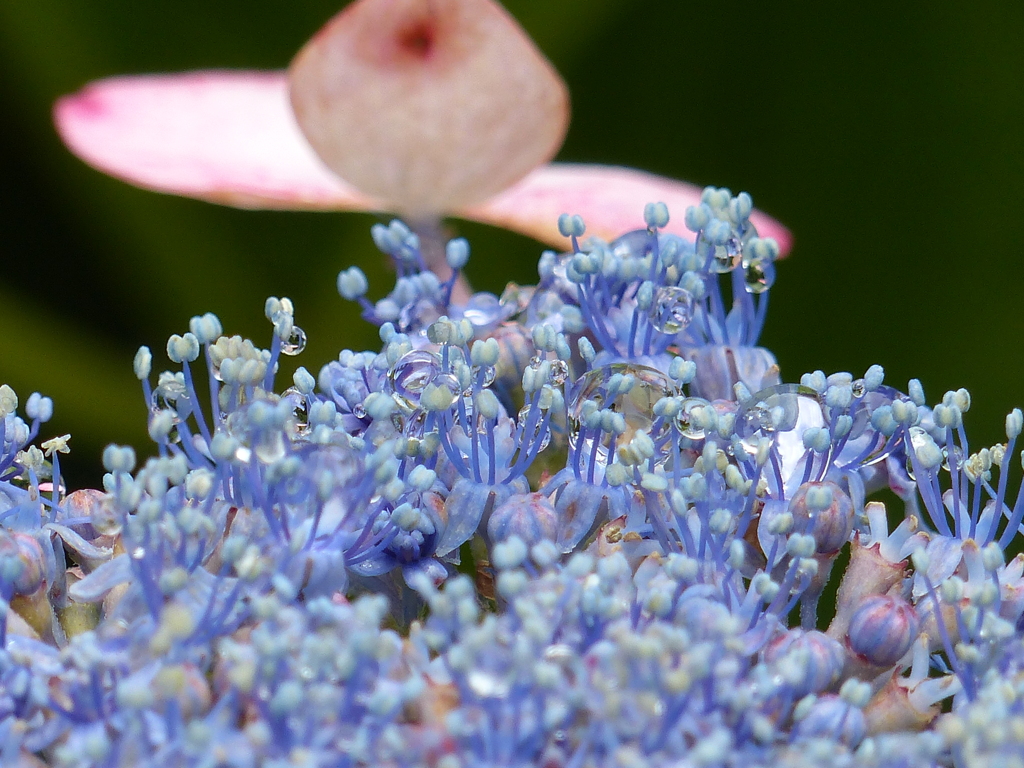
x=531, y=517
x=882, y=629
x=21, y=562
x=825, y=511
x=818, y=659
x=830, y=717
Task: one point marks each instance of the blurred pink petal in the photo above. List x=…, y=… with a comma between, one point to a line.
x=610, y=199
x=230, y=137
x=224, y=136
x=430, y=105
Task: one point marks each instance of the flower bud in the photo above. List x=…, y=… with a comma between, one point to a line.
x=825, y=511
x=830, y=717
x=531, y=517
x=21, y=562
x=817, y=656
x=882, y=629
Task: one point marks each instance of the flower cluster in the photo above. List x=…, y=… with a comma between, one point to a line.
x=584, y=523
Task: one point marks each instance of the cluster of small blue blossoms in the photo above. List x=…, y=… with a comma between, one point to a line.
x=580, y=524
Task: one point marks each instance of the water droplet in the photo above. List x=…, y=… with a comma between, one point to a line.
x=296, y=342
x=725, y=258
x=635, y=406
x=758, y=276
x=417, y=315
x=918, y=438
x=528, y=440
x=243, y=454
x=864, y=440
x=450, y=382
x=483, y=310
x=410, y=375
x=958, y=458
x=359, y=411
x=559, y=372
x=515, y=298
x=635, y=244
x=776, y=409
x=489, y=374
x=414, y=425
x=685, y=420
x=672, y=309
x=138, y=553
x=536, y=361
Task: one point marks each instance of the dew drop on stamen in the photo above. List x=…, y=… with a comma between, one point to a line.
x=296, y=342
x=672, y=309
x=758, y=276
x=559, y=372
x=489, y=374
x=410, y=375
x=685, y=419
x=635, y=406
x=527, y=440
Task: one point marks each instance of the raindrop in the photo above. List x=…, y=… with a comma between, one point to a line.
x=758, y=276
x=958, y=458
x=527, y=440
x=777, y=409
x=725, y=258
x=685, y=420
x=450, y=382
x=417, y=315
x=243, y=454
x=918, y=439
x=409, y=376
x=296, y=342
x=489, y=374
x=515, y=298
x=865, y=444
x=359, y=411
x=559, y=372
x=483, y=310
x=672, y=309
x=635, y=406
x=138, y=553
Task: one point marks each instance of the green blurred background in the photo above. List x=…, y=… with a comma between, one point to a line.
x=887, y=137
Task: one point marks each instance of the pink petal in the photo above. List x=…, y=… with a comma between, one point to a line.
x=431, y=105
x=229, y=137
x=610, y=199
x=224, y=136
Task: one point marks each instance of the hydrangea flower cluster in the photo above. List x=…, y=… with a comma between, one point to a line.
x=585, y=523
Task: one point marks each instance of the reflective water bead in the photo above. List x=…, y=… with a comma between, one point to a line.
x=685, y=420
x=527, y=440
x=516, y=298
x=776, y=409
x=758, y=276
x=410, y=375
x=727, y=257
x=559, y=372
x=672, y=309
x=484, y=310
x=489, y=372
x=445, y=382
x=633, y=408
x=296, y=342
